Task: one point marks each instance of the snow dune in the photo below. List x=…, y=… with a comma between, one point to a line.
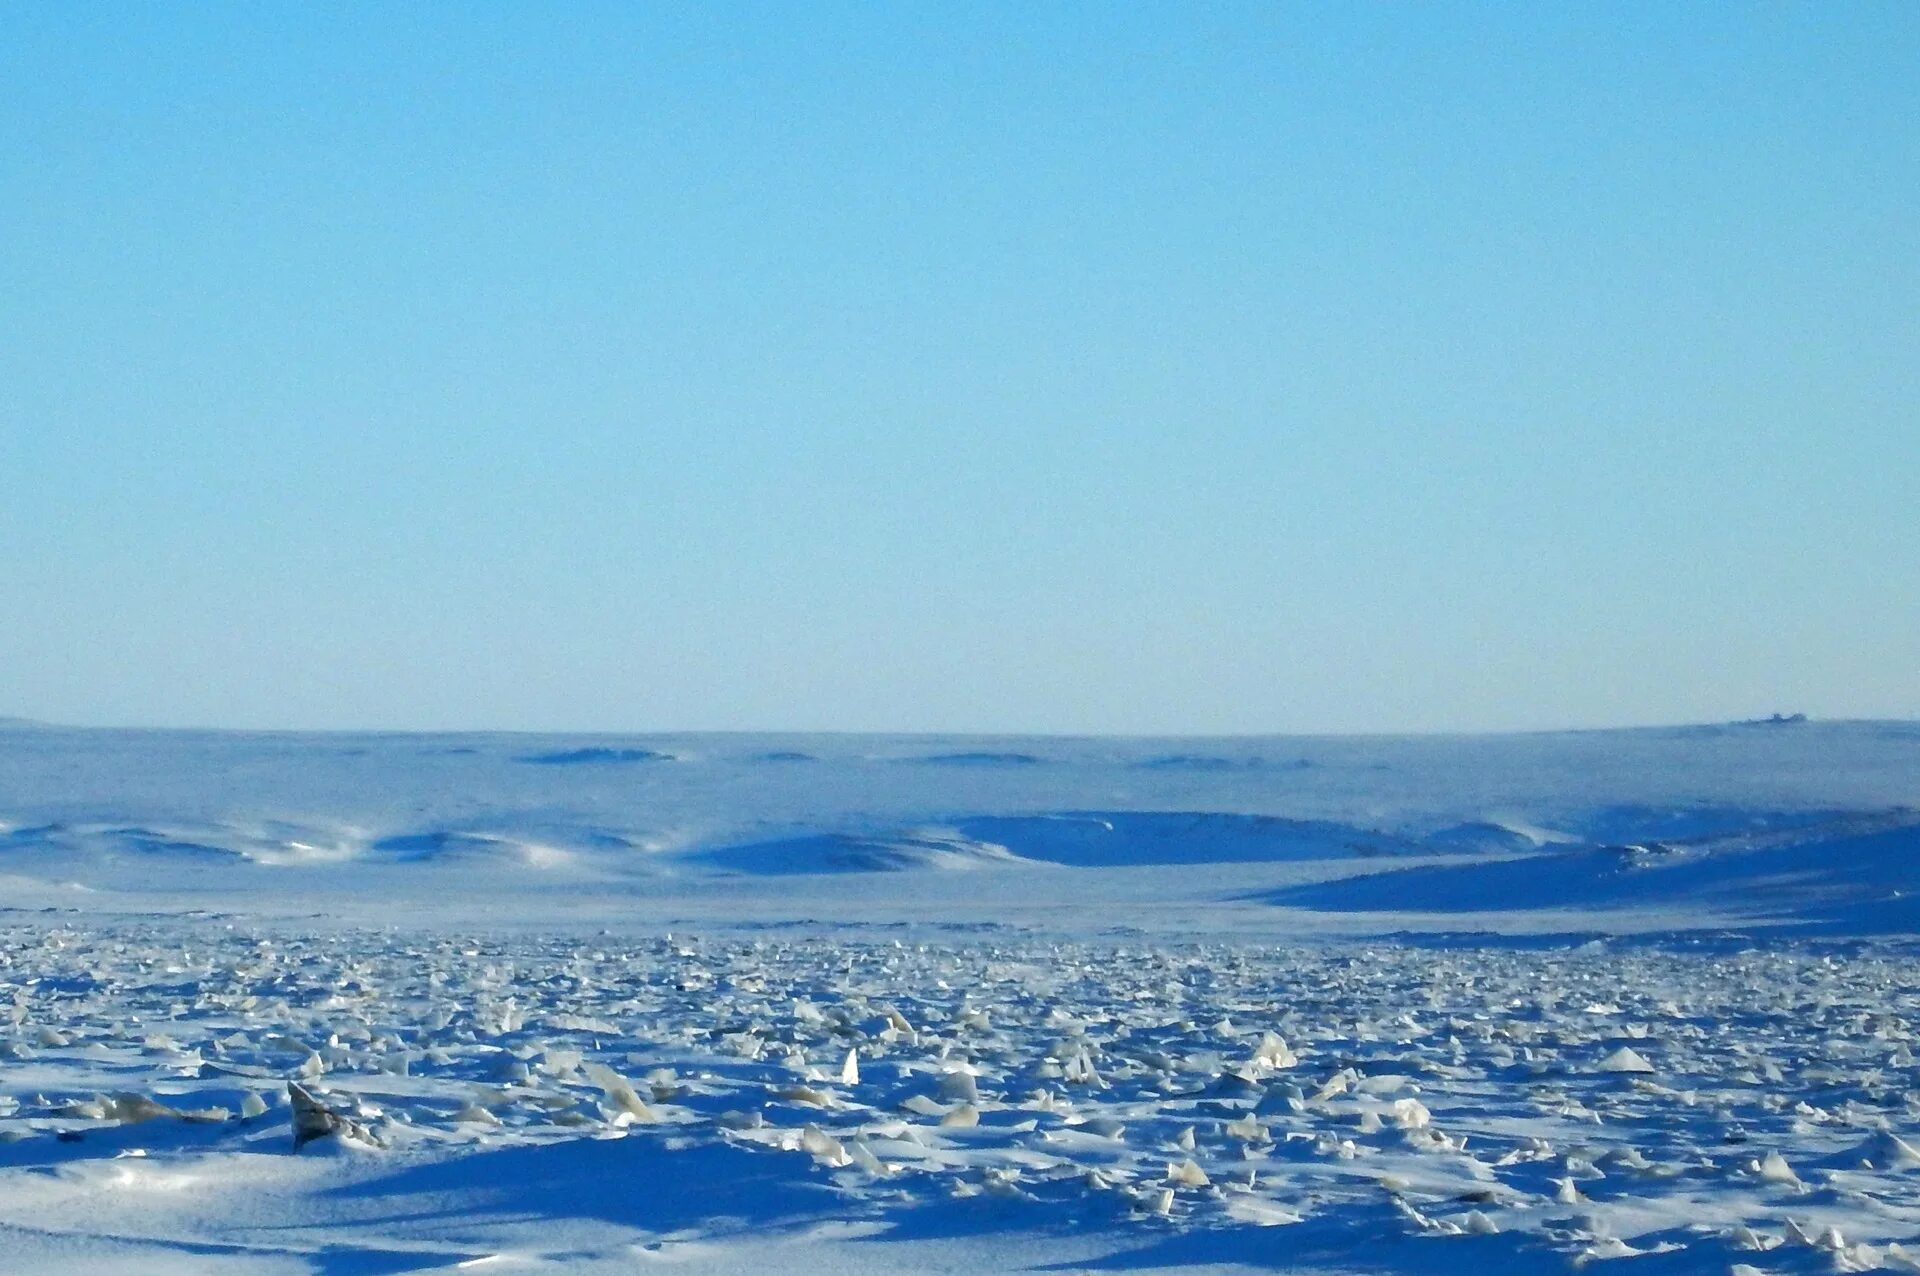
x=1120, y=838
x=1853, y=874
x=327, y=799
x=846, y=853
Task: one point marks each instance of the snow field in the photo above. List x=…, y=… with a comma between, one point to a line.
x=1684, y=1105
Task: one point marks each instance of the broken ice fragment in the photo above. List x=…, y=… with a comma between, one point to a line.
x=1886, y=1150
x=958, y=1086
x=313, y=1119
x=1187, y=1174
x=1273, y=1053
x=1744, y=1237
x=1079, y=1069
x=864, y=1158
x=1773, y=1168
x=1624, y=1060
x=824, y=1148
x=619, y=1092
x=805, y=1095
x=131, y=1109
x=1410, y=1114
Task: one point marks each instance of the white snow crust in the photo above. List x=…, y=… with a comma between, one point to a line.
x=737, y=1004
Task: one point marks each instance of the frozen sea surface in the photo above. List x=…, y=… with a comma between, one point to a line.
x=729, y=1003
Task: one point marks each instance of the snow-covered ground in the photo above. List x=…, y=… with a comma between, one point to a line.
x=733, y=1003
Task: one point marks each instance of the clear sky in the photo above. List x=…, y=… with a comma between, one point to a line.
x=1083, y=368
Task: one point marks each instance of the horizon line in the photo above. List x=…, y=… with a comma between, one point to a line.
x=1774, y=720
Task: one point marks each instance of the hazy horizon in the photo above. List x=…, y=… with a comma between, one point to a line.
x=1760, y=721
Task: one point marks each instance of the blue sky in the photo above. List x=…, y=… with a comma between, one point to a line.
x=1056, y=368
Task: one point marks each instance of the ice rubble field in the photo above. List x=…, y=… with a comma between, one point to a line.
x=1525, y=1003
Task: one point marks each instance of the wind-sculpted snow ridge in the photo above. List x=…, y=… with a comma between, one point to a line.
x=470, y=849
x=1553, y=878
x=125, y=855
x=1119, y=838
x=1091, y=840
x=1109, y=839
x=1638, y=823
x=596, y=756
x=1853, y=874
x=848, y=853
x=195, y=1095
x=980, y=757
x=1483, y=835
x=1217, y=762
x=258, y=794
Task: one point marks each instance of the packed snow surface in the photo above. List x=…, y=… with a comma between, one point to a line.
x=389, y=1003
